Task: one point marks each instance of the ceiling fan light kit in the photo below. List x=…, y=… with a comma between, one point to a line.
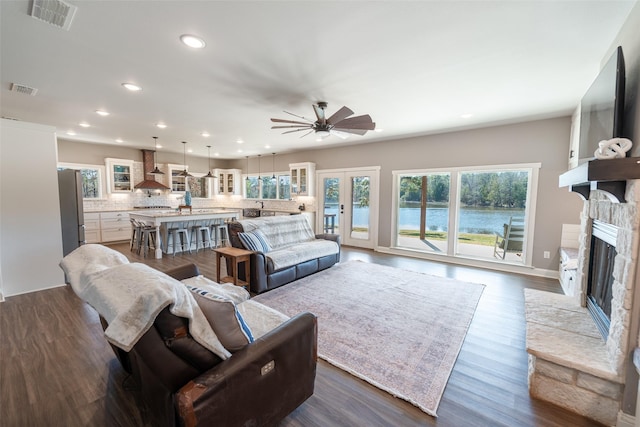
x=340, y=124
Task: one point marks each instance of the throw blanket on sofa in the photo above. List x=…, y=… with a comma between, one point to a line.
x=291, y=239
x=281, y=231
x=130, y=296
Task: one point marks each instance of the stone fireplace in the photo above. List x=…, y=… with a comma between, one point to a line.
x=561, y=328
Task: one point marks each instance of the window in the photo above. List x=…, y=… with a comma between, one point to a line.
x=92, y=181
x=466, y=211
x=252, y=187
x=266, y=187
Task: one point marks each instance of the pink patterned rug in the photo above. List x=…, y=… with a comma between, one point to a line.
x=399, y=330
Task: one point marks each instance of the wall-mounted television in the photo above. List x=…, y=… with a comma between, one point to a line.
x=602, y=107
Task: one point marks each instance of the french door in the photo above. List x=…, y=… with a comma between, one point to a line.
x=348, y=205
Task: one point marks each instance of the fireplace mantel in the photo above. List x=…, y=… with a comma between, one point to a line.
x=609, y=176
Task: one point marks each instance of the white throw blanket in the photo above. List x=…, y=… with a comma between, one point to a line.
x=130, y=296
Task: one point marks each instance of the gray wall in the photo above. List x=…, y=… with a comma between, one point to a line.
x=94, y=154
x=543, y=141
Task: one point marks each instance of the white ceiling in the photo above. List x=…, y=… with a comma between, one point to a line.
x=415, y=67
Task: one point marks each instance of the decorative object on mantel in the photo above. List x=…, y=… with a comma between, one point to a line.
x=615, y=148
x=209, y=174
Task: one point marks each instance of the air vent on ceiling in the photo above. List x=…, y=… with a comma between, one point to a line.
x=25, y=90
x=54, y=12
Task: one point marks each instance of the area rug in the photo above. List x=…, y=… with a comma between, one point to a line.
x=399, y=330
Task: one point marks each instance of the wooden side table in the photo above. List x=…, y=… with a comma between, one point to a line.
x=235, y=256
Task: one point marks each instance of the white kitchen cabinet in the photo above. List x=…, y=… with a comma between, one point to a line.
x=302, y=179
x=115, y=226
x=228, y=182
x=92, y=227
x=177, y=183
x=119, y=175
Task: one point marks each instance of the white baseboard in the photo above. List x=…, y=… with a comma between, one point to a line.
x=625, y=420
x=499, y=266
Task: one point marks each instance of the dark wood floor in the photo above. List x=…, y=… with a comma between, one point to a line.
x=56, y=369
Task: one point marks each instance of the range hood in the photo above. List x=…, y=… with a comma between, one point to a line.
x=150, y=183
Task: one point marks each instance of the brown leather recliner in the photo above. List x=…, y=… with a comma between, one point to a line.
x=184, y=384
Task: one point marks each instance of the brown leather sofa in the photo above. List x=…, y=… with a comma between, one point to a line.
x=183, y=384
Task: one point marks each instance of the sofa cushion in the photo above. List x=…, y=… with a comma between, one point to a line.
x=295, y=254
x=255, y=241
x=237, y=294
x=225, y=319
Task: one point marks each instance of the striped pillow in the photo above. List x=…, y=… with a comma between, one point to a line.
x=255, y=241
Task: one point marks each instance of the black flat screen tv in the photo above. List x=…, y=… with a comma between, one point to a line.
x=602, y=107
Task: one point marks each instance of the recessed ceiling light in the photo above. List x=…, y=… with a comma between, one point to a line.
x=466, y=115
x=267, y=146
x=161, y=125
x=205, y=134
x=84, y=124
x=216, y=154
x=192, y=41
x=189, y=150
x=132, y=87
x=239, y=151
x=239, y=141
x=102, y=112
x=379, y=129
x=158, y=146
x=70, y=132
x=119, y=140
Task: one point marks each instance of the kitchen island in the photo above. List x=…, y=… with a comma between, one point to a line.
x=160, y=218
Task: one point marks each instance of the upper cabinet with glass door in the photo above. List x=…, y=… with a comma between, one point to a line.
x=228, y=181
x=120, y=175
x=302, y=178
x=177, y=181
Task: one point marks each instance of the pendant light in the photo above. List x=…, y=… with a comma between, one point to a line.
x=184, y=173
x=209, y=174
x=247, y=169
x=259, y=170
x=155, y=170
x=273, y=165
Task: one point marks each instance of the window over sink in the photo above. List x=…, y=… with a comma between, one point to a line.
x=92, y=179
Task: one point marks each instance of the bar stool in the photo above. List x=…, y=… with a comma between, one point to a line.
x=147, y=239
x=180, y=231
x=136, y=230
x=223, y=232
x=202, y=231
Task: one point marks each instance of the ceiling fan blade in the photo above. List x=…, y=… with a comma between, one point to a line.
x=358, y=122
x=340, y=115
x=291, y=126
x=319, y=113
x=339, y=134
x=307, y=133
x=289, y=121
x=355, y=131
x=295, y=130
x=300, y=117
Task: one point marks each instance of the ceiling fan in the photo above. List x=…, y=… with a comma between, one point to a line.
x=339, y=124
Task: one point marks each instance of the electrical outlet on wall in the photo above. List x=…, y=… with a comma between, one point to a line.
x=547, y=254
